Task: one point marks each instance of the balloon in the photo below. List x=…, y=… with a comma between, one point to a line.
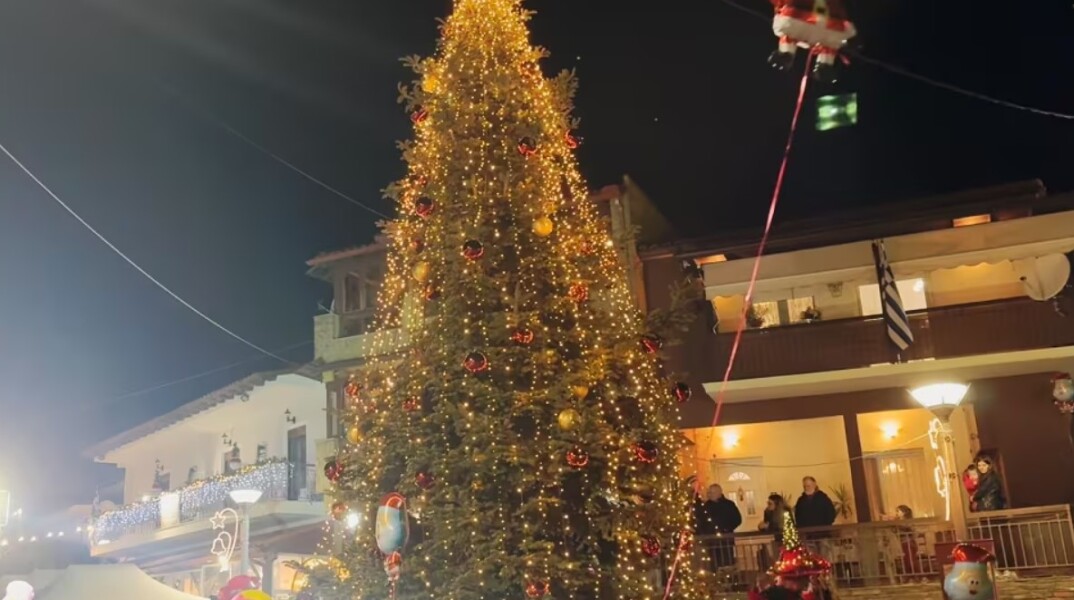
x=820, y=25
x=392, y=528
x=969, y=578
x=19, y=590
x=235, y=586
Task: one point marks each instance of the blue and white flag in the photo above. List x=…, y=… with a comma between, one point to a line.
x=898, y=325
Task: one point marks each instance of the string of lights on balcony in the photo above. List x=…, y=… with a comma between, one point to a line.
x=193, y=498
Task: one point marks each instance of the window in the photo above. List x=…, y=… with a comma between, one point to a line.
x=912, y=292
x=352, y=293
x=899, y=478
x=780, y=312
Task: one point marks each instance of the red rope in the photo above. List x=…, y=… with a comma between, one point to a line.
x=753, y=282
x=764, y=242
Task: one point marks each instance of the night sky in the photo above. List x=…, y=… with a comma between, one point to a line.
x=109, y=103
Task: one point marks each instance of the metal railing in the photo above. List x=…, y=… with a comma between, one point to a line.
x=1029, y=541
x=200, y=500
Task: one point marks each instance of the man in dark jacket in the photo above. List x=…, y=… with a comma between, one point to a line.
x=814, y=508
x=719, y=517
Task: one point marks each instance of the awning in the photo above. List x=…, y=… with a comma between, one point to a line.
x=910, y=255
x=115, y=582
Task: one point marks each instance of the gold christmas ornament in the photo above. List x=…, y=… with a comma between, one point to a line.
x=569, y=419
x=421, y=272
x=580, y=391
x=431, y=83
x=354, y=435
x=543, y=226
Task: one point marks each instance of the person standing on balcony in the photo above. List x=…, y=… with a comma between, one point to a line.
x=814, y=508
x=989, y=492
x=717, y=518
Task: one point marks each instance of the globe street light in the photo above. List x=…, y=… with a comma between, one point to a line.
x=941, y=399
x=245, y=499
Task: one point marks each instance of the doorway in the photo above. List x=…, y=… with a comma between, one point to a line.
x=296, y=459
x=744, y=482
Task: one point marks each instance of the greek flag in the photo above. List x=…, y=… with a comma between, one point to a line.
x=898, y=324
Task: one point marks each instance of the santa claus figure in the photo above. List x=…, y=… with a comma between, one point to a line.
x=821, y=25
x=799, y=574
x=969, y=578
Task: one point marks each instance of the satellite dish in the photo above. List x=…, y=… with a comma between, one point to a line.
x=1047, y=276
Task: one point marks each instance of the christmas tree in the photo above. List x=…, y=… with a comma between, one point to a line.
x=511, y=435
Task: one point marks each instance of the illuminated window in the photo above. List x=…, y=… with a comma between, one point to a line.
x=738, y=476
x=780, y=312
x=900, y=478
x=972, y=220
x=912, y=292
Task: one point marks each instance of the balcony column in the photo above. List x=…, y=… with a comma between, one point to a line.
x=857, y=469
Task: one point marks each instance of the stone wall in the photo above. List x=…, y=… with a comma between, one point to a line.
x=1032, y=588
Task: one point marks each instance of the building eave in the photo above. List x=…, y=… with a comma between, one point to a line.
x=900, y=218
x=202, y=404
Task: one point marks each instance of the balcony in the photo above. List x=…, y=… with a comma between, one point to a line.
x=184, y=514
x=944, y=332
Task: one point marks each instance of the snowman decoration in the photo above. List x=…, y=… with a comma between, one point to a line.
x=969, y=579
x=821, y=25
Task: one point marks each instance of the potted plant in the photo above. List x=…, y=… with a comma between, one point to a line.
x=843, y=501
x=755, y=317
x=811, y=314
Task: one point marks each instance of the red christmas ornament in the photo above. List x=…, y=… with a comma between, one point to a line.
x=527, y=147
x=473, y=250
x=424, y=206
x=419, y=115
x=646, y=452
x=417, y=245
x=536, y=589
x=652, y=343
x=650, y=546
x=682, y=391
x=522, y=336
x=352, y=388
x=339, y=510
x=411, y=404
x=577, y=458
x=573, y=142
x=424, y=480
x=578, y=292
x=476, y=362
x=431, y=292
x=333, y=471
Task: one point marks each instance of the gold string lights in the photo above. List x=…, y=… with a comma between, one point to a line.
x=506, y=336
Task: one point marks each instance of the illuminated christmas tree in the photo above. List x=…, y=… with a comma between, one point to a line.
x=513, y=405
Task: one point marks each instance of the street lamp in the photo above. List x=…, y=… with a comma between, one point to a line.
x=245, y=499
x=941, y=399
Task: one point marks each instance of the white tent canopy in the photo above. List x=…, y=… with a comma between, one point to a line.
x=108, y=582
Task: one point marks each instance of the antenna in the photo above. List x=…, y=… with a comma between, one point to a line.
x=1048, y=276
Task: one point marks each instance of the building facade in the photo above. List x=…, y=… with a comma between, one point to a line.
x=258, y=433
x=819, y=390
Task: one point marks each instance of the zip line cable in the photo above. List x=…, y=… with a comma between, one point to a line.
x=168, y=384
x=133, y=264
x=204, y=114
x=921, y=78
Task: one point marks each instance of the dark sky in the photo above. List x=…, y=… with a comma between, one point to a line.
x=675, y=93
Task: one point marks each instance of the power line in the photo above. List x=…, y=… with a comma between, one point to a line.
x=262, y=149
x=168, y=384
x=133, y=264
x=921, y=78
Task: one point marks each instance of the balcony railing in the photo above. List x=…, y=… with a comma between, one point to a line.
x=202, y=499
x=1028, y=541
x=942, y=332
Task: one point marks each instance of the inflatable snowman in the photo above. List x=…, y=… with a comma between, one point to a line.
x=969, y=579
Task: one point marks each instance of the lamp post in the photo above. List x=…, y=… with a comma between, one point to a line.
x=941, y=399
x=245, y=499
